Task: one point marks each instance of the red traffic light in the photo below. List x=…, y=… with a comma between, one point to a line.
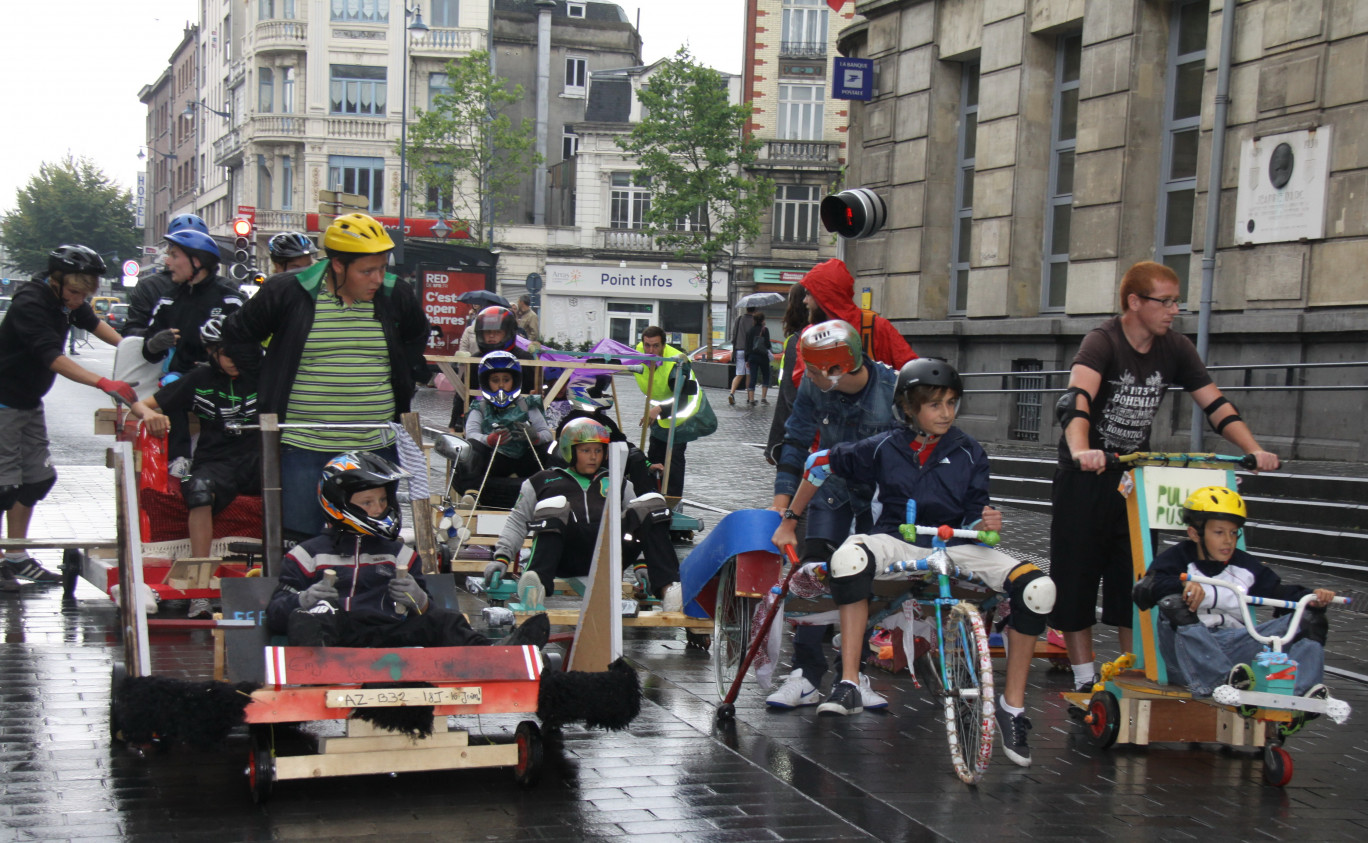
x=855, y=213
x=242, y=227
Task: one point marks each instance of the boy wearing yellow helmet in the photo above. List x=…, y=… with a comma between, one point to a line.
x=347, y=343
x=1201, y=631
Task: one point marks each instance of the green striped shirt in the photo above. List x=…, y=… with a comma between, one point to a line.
x=343, y=378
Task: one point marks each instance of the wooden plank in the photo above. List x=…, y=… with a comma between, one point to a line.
x=394, y=761
x=353, y=666
x=422, y=511
x=593, y=647
x=570, y=617
x=293, y=705
x=381, y=743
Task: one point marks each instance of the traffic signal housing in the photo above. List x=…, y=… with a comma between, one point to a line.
x=242, y=248
x=854, y=214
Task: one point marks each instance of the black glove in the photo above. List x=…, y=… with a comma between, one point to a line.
x=159, y=342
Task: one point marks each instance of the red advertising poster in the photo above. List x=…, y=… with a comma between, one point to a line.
x=447, y=315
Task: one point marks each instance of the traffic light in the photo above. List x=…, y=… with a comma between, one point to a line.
x=856, y=213
x=242, y=248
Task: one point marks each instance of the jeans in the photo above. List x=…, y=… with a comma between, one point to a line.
x=300, y=470
x=1201, y=658
x=829, y=524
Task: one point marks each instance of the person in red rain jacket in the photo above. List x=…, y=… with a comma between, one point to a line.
x=831, y=295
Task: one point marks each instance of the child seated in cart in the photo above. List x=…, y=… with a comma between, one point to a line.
x=503, y=425
x=943, y=469
x=1202, y=635
x=358, y=585
x=226, y=463
x=563, y=507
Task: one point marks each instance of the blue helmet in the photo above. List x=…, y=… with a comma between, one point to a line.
x=194, y=241
x=500, y=361
x=187, y=222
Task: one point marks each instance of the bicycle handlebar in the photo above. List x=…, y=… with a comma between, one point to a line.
x=1120, y=462
x=1299, y=607
x=945, y=532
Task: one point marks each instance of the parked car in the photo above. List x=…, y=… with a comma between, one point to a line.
x=117, y=317
x=723, y=354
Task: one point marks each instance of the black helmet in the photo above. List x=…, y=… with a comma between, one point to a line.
x=495, y=318
x=290, y=244
x=924, y=371
x=356, y=471
x=82, y=260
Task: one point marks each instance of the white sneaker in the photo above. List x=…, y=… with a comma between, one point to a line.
x=796, y=692
x=179, y=467
x=200, y=608
x=870, y=697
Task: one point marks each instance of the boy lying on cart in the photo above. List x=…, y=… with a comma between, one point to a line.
x=1202, y=635
x=945, y=471
x=358, y=585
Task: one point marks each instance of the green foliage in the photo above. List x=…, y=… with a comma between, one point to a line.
x=71, y=201
x=467, y=148
x=692, y=147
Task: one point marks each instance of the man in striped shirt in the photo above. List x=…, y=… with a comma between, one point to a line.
x=346, y=347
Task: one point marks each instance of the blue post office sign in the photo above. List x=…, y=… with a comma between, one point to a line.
x=852, y=79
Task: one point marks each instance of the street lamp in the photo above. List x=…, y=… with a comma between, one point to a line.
x=191, y=105
x=416, y=30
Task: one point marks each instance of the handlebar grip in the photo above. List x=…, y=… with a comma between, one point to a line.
x=1249, y=461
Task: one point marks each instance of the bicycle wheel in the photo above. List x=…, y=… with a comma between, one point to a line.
x=731, y=629
x=969, y=693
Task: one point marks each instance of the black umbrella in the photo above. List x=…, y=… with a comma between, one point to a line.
x=482, y=298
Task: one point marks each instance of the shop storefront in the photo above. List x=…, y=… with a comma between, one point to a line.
x=585, y=302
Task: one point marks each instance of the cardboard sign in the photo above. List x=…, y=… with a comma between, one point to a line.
x=1166, y=488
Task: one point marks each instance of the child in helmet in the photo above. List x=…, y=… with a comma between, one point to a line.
x=1201, y=631
x=945, y=471
x=358, y=585
x=226, y=463
x=588, y=401
x=493, y=329
x=503, y=424
x=562, y=508
x=291, y=250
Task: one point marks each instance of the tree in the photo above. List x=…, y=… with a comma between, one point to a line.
x=467, y=149
x=694, y=154
x=71, y=201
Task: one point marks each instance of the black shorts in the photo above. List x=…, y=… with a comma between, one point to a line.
x=226, y=480
x=1089, y=543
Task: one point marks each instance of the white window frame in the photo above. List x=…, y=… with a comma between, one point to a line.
x=575, y=10
x=359, y=11
x=801, y=117
x=803, y=29
x=628, y=201
x=576, y=76
x=371, y=92
x=1166, y=252
x=1054, y=278
x=795, y=214
x=966, y=151
x=569, y=144
x=359, y=174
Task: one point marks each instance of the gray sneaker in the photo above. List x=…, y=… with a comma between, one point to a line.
x=1013, y=730
x=29, y=569
x=844, y=700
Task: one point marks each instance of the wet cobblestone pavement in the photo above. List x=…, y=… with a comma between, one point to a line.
x=674, y=775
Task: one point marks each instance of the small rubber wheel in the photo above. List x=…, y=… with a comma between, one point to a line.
x=116, y=677
x=260, y=765
x=1104, y=719
x=530, y=754
x=1277, y=766
x=726, y=711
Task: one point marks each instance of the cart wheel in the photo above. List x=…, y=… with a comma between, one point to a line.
x=969, y=701
x=1104, y=719
x=726, y=711
x=72, y=559
x=530, y=753
x=116, y=678
x=260, y=765
x=731, y=629
x=1277, y=766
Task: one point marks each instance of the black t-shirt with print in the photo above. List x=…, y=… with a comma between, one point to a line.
x=1133, y=385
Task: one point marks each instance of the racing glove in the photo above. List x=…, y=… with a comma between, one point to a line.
x=494, y=572
x=405, y=591
x=159, y=342
x=320, y=592
x=118, y=390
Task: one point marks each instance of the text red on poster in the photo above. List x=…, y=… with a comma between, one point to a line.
x=446, y=315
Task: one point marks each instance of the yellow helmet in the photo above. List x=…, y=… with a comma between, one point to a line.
x=356, y=234
x=1213, y=502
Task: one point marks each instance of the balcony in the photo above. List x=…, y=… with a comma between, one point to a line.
x=447, y=43
x=280, y=220
x=278, y=128
x=800, y=154
x=228, y=149
x=627, y=240
x=281, y=35
x=802, y=49
x=356, y=128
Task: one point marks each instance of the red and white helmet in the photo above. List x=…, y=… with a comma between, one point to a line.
x=827, y=346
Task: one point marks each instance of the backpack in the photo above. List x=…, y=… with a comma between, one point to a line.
x=759, y=341
x=867, y=330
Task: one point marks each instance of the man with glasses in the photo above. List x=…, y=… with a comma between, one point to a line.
x=1116, y=384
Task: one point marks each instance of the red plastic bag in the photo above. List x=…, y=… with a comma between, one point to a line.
x=152, y=474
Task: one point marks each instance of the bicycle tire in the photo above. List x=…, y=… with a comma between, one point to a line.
x=969, y=721
x=731, y=629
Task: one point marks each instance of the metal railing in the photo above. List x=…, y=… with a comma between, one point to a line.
x=1064, y=374
x=801, y=152
x=802, y=49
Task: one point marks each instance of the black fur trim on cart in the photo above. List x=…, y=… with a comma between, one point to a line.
x=610, y=699
x=198, y=713
x=412, y=720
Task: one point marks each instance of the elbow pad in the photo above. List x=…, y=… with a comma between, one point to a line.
x=817, y=468
x=1066, y=409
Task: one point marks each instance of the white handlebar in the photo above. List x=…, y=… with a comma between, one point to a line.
x=1274, y=641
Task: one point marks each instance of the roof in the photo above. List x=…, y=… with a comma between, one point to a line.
x=597, y=12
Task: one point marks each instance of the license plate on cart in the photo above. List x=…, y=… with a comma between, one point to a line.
x=385, y=697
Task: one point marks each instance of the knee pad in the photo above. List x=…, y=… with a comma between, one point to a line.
x=650, y=508
x=197, y=492
x=817, y=550
x=550, y=516
x=1032, y=596
x=850, y=560
x=9, y=496
x=30, y=493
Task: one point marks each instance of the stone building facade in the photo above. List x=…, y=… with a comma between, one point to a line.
x=1030, y=151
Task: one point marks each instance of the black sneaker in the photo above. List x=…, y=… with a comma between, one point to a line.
x=844, y=700
x=1086, y=687
x=536, y=631
x=1013, y=730
x=29, y=569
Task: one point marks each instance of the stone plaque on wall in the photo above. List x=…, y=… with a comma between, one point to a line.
x=1282, y=187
